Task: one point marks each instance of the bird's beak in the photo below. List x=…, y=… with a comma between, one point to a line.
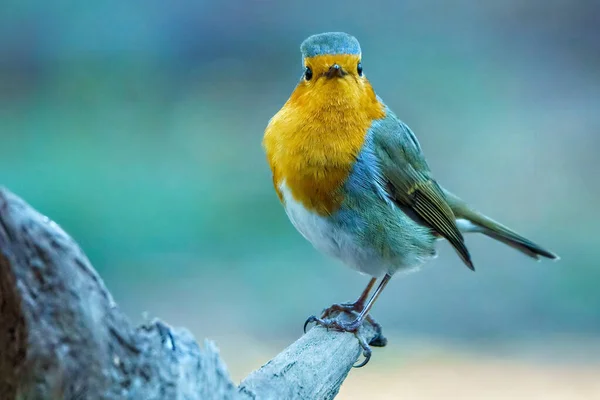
x=335, y=70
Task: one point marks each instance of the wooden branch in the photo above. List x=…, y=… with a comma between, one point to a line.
x=63, y=337
x=313, y=367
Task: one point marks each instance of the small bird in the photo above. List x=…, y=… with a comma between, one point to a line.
x=354, y=182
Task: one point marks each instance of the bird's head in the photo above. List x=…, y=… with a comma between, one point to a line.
x=333, y=69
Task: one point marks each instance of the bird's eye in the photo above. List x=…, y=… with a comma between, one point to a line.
x=359, y=69
x=308, y=74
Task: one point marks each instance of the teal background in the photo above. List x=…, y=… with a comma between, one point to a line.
x=137, y=126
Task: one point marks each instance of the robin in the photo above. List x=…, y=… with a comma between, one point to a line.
x=354, y=182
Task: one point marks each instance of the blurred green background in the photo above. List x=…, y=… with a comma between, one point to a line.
x=136, y=125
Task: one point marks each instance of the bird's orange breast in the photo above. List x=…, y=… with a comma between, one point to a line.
x=314, y=140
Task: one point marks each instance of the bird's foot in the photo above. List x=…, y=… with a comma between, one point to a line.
x=354, y=309
x=334, y=318
x=344, y=326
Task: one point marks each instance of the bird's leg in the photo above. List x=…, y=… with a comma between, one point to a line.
x=354, y=325
x=355, y=307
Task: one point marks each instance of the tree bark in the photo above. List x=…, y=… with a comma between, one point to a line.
x=63, y=337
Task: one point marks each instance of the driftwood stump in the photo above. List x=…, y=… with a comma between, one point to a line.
x=63, y=337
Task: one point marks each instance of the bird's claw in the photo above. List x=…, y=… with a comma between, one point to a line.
x=350, y=308
x=337, y=325
x=353, y=309
x=310, y=320
x=330, y=321
x=352, y=327
x=366, y=351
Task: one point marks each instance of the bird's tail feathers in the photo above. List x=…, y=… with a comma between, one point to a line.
x=477, y=222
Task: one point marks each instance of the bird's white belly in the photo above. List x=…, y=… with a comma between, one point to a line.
x=328, y=238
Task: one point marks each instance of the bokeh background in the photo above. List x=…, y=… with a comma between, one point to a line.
x=137, y=125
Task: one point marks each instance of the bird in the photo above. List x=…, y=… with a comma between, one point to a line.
x=353, y=180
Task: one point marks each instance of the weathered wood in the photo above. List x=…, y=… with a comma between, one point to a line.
x=63, y=337
x=313, y=367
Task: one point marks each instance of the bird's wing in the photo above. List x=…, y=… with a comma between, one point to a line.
x=410, y=184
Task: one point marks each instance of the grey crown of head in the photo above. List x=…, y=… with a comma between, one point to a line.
x=329, y=43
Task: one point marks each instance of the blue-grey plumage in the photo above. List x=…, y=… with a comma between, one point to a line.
x=385, y=238
x=330, y=43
